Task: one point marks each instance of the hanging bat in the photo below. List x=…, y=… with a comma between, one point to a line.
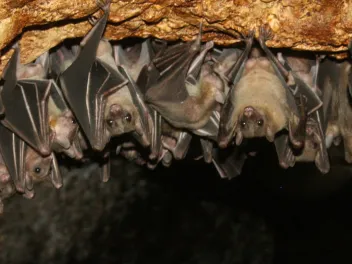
x=341, y=111
x=185, y=92
x=38, y=169
x=24, y=163
x=93, y=74
x=63, y=127
x=263, y=97
x=125, y=110
x=318, y=76
x=27, y=116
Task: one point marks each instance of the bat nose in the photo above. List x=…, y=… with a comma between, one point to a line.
x=248, y=112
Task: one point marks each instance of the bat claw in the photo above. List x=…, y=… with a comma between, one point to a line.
x=248, y=37
x=265, y=34
x=103, y=4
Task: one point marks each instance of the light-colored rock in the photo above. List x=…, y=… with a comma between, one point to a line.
x=304, y=25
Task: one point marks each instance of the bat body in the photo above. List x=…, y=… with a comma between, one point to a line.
x=89, y=71
x=262, y=99
x=341, y=112
x=27, y=116
x=185, y=91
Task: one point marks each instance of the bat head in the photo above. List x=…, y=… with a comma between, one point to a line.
x=64, y=128
x=121, y=119
x=37, y=167
x=31, y=70
x=252, y=122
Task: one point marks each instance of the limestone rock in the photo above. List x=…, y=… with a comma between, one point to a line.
x=301, y=24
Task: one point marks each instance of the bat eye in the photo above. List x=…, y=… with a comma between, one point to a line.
x=243, y=123
x=110, y=122
x=128, y=118
x=37, y=170
x=73, y=121
x=260, y=122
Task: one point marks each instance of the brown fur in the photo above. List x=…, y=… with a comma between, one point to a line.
x=195, y=111
x=35, y=161
x=260, y=89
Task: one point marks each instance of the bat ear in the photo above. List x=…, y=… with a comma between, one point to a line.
x=269, y=134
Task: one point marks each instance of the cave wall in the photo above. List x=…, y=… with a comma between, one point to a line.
x=300, y=24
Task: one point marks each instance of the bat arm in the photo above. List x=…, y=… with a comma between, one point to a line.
x=196, y=66
x=235, y=73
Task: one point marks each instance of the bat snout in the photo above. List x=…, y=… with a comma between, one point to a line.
x=116, y=111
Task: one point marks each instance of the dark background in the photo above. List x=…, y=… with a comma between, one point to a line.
x=185, y=214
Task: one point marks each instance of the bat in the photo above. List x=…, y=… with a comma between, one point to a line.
x=263, y=96
x=144, y=122
x=63, y=127
x=27, y=116
x=185, y=90
x=24, y=164
x=341, y=111
x=90, y=72
x=323, y=78
x=38, y=169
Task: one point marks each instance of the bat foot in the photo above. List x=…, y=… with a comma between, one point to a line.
x=103, y=4
x=248, y=37
x=265, y=34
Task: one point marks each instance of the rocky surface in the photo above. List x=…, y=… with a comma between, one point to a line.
x=305, y=25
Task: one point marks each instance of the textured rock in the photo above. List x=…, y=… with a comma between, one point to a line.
x=306, y=25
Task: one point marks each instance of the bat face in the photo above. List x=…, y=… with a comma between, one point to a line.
x=252, y=122
x=121, y=115
x=64, y=128
x=37, y=167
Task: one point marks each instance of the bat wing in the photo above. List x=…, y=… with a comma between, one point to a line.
x=211, y=129
x=182, y=145
x=229, y=162
x=13, y=150
x=2, y=108
x=94, y=80
x=284, y=152
x=207, y=149
x=27, y=115
x=313, y=101
x=170, y=86
x=55, y=175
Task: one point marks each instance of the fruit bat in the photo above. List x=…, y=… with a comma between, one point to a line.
x=263, y=96
x=185, y=91
x=25, y=164
x=25, y=97
x=324, y=80
x=341, y=111
x=92, y=75
x=126, y=111
x=63, y=127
